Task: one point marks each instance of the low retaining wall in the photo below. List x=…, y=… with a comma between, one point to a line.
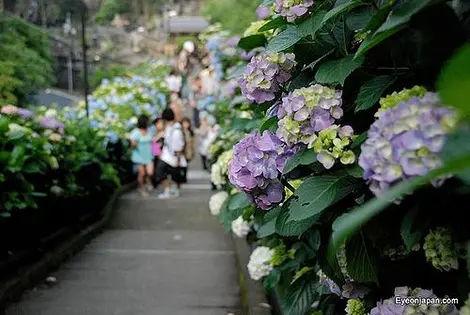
x=26, y=277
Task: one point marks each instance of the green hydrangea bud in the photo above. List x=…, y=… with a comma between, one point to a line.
x=355, y=307
x=440, y=250
x=279, y=256
x=392, y=100
x=332, y=144
x=398, y=252
x=301, y=272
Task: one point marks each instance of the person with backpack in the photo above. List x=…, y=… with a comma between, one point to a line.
x=172, y=160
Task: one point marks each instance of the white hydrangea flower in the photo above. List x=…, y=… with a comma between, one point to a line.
x=219, y=170
x=50, y=113
x=240, y=227
x=260, y=265
x=216, y=202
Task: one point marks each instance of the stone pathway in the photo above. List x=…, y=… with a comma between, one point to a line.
x=156, y=258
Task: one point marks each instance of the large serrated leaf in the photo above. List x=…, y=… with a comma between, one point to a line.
x=269, y=223
x=409, y=234
x=299, y=297
x=303, y=157
x=454, y=81
x=395, y=22
x=286, y=39
x=457, y=145
x=251, y=42
x=319, y=192
x=336, y=71
x=312, y=24
x=337, y=10
x=372, y=90
x=239, y=201
x=273, y=24
x=361, y=261
x=269, y=124
x=292, y=228
x=272, y=279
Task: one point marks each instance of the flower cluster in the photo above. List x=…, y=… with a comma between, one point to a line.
x=263, y=12
x=256, y=166
x=292, y=9
x=281, y=254
x=399, y=252
x=216, y=201
x=405, y=141
x=333, y=144
x=264, y=76
x=390, y=306
x=240, y=227
x=306, y=111
x=260, y=265
x=51, y=122
x=392, y=100
x=350, y=290
x=440, y=250
x=355, y=307
x=16, y=111
x=219, y=170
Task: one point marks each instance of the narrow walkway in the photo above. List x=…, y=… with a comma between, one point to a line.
x=156, y=258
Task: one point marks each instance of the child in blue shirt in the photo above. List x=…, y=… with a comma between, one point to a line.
x=142, y=157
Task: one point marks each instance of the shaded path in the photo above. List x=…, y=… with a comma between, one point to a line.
x=156, y=258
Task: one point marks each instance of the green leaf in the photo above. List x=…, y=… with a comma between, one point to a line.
x=269, y=223
x=272, y=279
x=299, y=297
x=236, y=73
x=269, y=124
x=408, y=234
x=374, y=40
x=336, y=71
x=395, y=22
x=403, y=14
x=251, y=42
x=273, y=24
x=313, y=240
x=319, y=192
x=361, y=262
x=359, y=140
x=32, y=167
x=337, y=10
x=358, y=19
x=355, y=171
x=292, y=228
x=314, y=63
x=239, y=201
x=283, y=40
x=378, y=19
x=457, y=145
x=17, y=134
x=312, y=24
x=303, y=157
x=372, y=90
x=38, y=194
x=304, y=79
x=347, y=224
x=17, y=158
x=454, y=81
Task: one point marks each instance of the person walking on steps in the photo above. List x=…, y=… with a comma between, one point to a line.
x=142, y=157
x=189, y=143
x=172, y=160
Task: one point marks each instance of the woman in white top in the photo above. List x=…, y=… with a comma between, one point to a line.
x=174, y=82
x=172, y=161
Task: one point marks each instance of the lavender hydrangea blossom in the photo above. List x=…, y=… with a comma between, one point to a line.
x=292, y=9
x=306, y=111
x=264, y=76
x=256, y=165
x=52, y=123
x=406, y=141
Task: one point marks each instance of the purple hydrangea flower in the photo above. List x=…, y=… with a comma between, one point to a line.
x=25, y=113
x=262, y=12
x=306, y=111
x=256, y=166
x=405, y=141
x=393, y=306
x=264, y=75
x=52, y=123
x=292, y=9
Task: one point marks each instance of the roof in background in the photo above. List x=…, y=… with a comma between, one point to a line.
x=187, y=24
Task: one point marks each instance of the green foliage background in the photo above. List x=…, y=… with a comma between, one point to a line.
x=223, y=11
